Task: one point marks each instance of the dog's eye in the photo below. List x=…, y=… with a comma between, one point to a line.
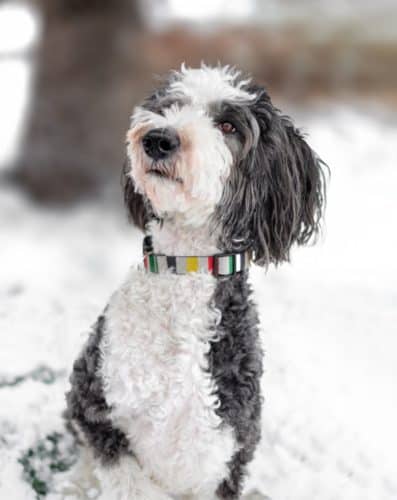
x=227, y=127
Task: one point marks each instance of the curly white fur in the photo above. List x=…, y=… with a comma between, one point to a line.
x=156, y=378
x=208, y=84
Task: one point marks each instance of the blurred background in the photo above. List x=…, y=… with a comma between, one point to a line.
x=70, y=74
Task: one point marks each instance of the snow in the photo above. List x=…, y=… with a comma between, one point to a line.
x=328, y=324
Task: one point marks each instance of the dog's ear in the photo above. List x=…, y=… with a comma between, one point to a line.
x=138, y=208
x=288, y=179
x=275, y=196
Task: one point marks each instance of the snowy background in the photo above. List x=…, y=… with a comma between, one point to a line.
x=329, y=318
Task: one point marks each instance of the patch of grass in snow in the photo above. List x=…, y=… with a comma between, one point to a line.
x=51, y=455
x=42, y=373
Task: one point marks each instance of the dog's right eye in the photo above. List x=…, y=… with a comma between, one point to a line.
x=227, y=127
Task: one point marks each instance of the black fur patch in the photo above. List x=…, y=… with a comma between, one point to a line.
x=274, y=195
x=235, y=362
x=138, y=207
x=86, y=404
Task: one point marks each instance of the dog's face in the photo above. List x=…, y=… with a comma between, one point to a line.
x=185, y=139
x=209, y=148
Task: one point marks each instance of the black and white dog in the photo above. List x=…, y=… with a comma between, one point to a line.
x=166, y=392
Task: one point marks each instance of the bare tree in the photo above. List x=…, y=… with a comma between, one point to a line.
x=87, y=72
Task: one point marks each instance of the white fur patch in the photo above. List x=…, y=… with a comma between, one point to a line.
x=127, y=481
x=156, y=380
x=172, y=238
x=207, y=84
x=203, y=162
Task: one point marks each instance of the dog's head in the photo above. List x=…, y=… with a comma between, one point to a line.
x=210, y=148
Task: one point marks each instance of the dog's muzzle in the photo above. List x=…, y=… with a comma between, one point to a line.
x=161, y=143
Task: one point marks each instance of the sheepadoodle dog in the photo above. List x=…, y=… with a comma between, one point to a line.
x=166, y=392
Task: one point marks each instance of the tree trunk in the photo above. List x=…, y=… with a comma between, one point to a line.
x=82, y=97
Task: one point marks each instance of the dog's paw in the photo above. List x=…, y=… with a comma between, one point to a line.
x=255, y=495
x=127, y=481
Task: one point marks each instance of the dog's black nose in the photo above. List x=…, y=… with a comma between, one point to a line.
x=160, y=143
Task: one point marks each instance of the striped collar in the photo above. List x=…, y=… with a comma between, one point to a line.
x=226, y=264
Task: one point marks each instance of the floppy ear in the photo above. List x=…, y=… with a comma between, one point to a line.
x=275, y=196
x=139, y=209
x=291, y=180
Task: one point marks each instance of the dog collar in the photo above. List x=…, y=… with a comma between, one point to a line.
x=226, y=264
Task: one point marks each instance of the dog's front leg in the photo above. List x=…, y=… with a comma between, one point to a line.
x=126, y=480
x=89, y=479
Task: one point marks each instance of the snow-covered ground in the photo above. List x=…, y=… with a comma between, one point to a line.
x=329, y=327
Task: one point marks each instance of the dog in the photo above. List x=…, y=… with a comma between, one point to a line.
x=166, y=392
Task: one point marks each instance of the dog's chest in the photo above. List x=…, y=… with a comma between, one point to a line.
x=156, y=378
